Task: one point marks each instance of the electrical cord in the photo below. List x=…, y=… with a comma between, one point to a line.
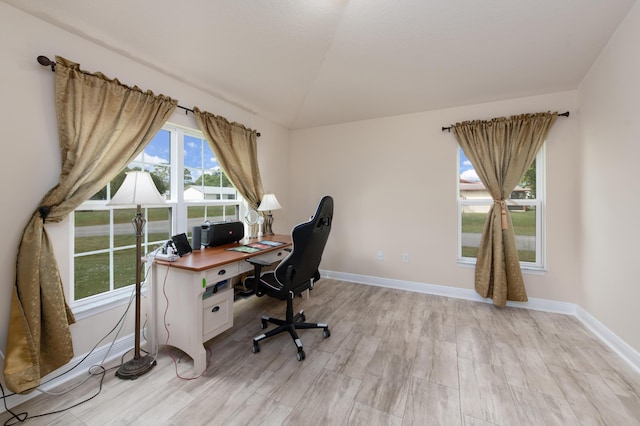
x=24, y=416
x=166, y=327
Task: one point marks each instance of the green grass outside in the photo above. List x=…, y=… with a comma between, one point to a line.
x=524, y=223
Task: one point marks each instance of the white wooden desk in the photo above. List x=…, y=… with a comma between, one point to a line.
x=179, y=316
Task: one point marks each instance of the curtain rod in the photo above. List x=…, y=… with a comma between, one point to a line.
x=564, y=114
x=45, y=62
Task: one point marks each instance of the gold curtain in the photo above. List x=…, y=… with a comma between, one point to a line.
x=102, y=126
x=501, y=150
x=236, y=150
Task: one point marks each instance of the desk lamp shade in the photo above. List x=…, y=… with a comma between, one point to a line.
x=269, y=202
x=137, y=189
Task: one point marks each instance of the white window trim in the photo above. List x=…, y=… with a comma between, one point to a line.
x=103, y=302
x=530, y=267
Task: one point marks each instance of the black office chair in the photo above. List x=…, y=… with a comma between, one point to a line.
x=295, y=274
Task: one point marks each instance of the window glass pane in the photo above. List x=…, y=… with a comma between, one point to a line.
x=124, y=271
x=472, y=189
x=472, y=223
x=91, y=275
x=200, y=214
x=156, y=159
x=158, y=228
x=524, y=228
x=123, y=230
x=203, y=177
x=91, y=230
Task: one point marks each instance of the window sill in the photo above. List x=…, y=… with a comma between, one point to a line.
x=526, y=269
x=103, y=303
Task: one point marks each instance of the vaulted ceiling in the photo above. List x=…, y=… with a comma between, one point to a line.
x=304, y=63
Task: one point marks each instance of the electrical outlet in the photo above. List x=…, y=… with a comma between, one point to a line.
x=380, y=255
x=405, y=257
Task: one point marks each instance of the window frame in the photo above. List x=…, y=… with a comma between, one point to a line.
x=539, y=204
x=178, y=224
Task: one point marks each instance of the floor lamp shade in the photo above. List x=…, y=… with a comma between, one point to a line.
x=269, y=202
x=137, y=189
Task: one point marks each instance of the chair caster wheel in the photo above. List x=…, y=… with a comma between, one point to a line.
x=263, y=325
x=302, y=317
x=326, y=333
x=256, y=347
x=300, y=355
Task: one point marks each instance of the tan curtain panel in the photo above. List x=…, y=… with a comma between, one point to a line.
x=102, y=126
x=236, y=150
x=501, y=150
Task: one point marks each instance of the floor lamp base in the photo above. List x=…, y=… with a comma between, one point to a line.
x=136, y=367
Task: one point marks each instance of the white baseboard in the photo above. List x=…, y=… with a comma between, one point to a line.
x=77, y=374
x=455, y=292
x=619, y=346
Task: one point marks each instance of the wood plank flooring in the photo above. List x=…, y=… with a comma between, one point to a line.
x=393, y=358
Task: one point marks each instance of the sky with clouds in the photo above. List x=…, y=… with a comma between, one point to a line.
x=467, y=172
x=197, y=154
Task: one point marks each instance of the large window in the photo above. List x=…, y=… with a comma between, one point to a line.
x=526, y=205
x=186, y=172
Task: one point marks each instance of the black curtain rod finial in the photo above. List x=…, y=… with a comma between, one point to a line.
x=45, y=62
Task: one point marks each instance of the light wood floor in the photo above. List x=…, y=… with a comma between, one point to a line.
x=393, y=358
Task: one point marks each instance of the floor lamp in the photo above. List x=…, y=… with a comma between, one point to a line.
x=269, y=202
x=137, y=189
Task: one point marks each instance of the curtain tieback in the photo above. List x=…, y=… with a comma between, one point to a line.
x=503, y=211
x=44, y=212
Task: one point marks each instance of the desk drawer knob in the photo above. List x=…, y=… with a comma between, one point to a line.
x=215, y=309
x=222, y=271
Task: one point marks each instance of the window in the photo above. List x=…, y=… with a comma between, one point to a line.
x=525, y=204
x=208, y=193
x=187, y=174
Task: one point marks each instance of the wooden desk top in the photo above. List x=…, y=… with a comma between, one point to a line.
x=212, y=257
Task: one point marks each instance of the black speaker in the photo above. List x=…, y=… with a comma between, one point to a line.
x=196, y=240
x=223, y=233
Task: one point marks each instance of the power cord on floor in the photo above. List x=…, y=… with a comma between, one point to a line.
x=101, y=371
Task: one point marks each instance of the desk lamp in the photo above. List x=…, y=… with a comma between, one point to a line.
x=269, y=202
x=137, y=189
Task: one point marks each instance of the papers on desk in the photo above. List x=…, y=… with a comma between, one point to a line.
x=270, y=243
x=256, y=247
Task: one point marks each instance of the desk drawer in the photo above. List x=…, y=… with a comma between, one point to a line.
x=217, y=313
x=215, y=275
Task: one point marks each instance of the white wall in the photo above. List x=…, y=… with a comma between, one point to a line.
x=610, y=147
x=31, y=160
x=394, y=184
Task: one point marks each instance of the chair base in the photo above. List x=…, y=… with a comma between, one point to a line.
x=291, y=324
